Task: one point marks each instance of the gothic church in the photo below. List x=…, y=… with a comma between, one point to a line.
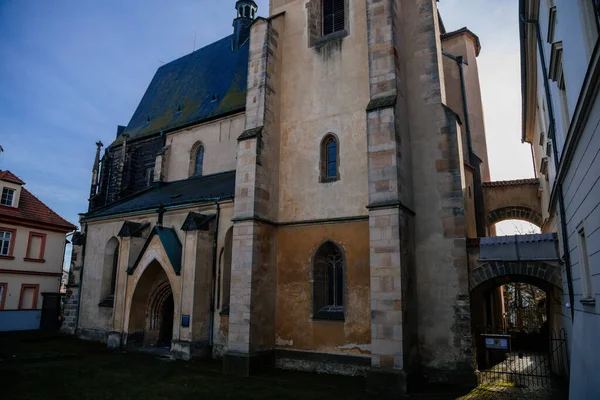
x=296, y=195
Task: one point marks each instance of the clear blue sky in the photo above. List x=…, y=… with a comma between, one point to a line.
x=72, y=70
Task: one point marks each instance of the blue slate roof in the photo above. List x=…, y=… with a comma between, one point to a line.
x=204, y=84
x=194, y=190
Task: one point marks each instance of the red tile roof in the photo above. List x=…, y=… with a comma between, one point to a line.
x=10, y=177
x=518, y=182
x=33, y=210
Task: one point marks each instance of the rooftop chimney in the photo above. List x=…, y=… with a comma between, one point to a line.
x=246, y=12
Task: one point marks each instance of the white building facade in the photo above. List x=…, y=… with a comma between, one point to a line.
x=561, y=117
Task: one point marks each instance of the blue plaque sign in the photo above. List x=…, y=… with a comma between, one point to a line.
x=185, y=321
x=497, y=342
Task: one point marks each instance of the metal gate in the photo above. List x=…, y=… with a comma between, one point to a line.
x=514, y=361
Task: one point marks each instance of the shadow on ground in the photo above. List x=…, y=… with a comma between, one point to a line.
x=38, y=366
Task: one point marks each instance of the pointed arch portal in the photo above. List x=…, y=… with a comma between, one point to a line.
x=152, y=309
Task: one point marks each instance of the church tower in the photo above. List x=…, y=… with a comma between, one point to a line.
x=246, y=12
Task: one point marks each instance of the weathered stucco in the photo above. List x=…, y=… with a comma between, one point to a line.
x=326, y=91
x=296, y=328
x=219, y=139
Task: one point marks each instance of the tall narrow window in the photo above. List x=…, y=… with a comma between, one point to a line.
x=5, y=243
x=328, y=282
x=584, y=261
x=109, y=273
x=197, y=159
x=115, y=266
x=333, y=16
x=557, y=75
x=7, y=197
x=329, y=159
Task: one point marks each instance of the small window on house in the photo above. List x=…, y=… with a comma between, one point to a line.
x=329, y=159
x=5, y=238
x=7, y=197
x=557, y=75
x=328, y=282
x=334, y=18
x=587, y=291
x=35, y=247
x=29, y=297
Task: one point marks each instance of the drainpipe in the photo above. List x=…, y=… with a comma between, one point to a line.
x=473, y=159
x=85, y=229
x=213, y=280
x=559, y=188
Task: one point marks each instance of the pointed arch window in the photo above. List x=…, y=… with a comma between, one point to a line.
x=197, y=159
x=330, y=159
x=328, y=282
x=110, y=273
x=115, y=266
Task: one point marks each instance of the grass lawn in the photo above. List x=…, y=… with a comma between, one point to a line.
x=34, y=367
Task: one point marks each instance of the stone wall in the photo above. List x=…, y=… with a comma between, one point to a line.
x=71, y=299
x=442, y=286
x=254, y=260
x=296, y=328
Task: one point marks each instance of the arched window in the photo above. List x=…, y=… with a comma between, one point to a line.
x=329, y=159
x=115, y=266
x=328, y=282
x=110, y=273
x=197, y=159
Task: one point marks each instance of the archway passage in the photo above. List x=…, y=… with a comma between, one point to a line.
x=515, y=315
x=152, y=310
x=497, y=273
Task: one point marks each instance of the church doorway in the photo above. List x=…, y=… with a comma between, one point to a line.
x=152, y=313
x=166, y=328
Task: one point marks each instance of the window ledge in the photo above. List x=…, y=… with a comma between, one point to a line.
x=339, y=35
x=588, y=301
x=7, y=258
x=329, y=315
x=108, y=302
x=34, y=260
x=329, y=180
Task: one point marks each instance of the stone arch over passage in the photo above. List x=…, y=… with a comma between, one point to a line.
x=496, y=273
x=152, y=309
x=508, y=213
x=506, y=200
